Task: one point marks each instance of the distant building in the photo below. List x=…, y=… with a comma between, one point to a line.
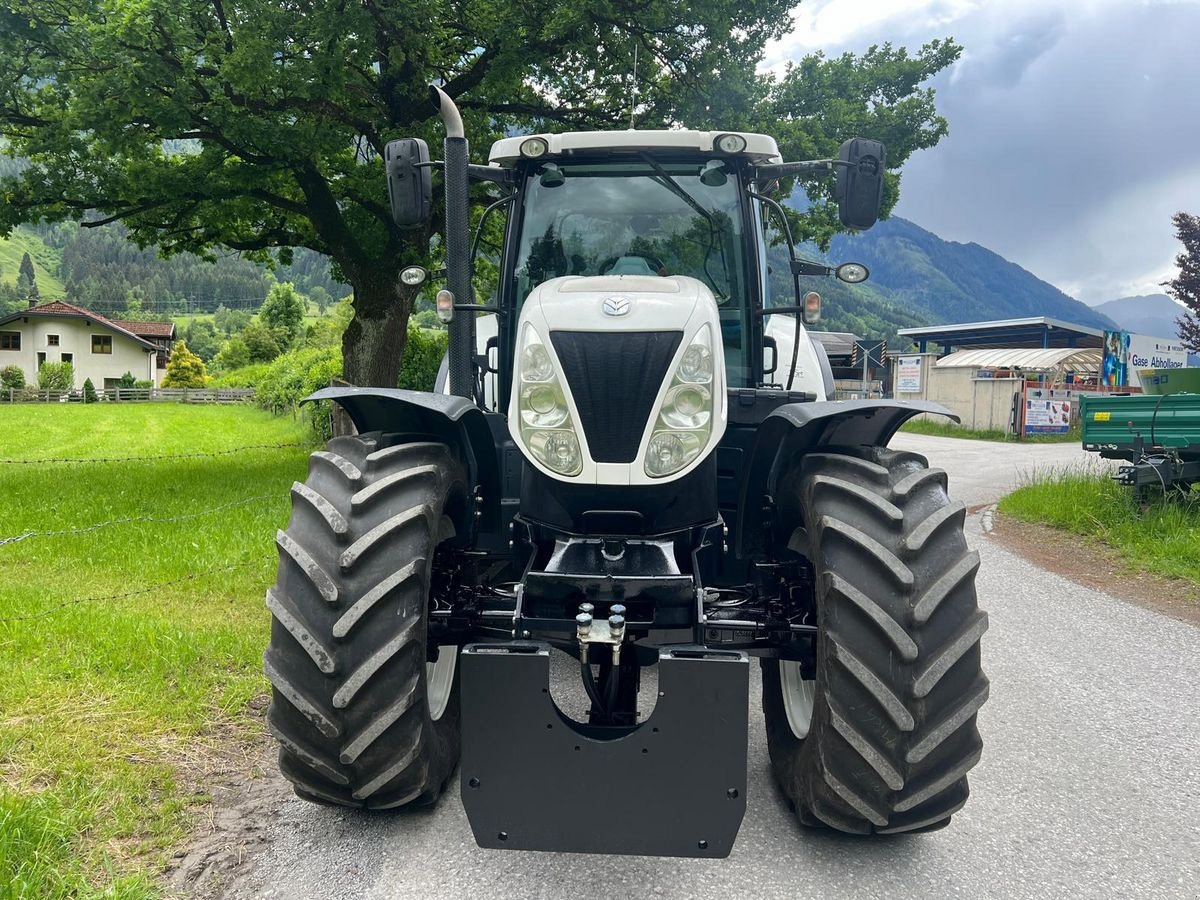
x=99, y=348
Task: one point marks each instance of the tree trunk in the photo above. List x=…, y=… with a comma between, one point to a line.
x=373, y=345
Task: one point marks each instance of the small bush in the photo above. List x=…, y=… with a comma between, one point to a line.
x=12, y=377
x=89, y=391
x=422, y=358
x=244, y=377
x=59, y=376
x=143, y=383
x=127, y=381
x=185, y=369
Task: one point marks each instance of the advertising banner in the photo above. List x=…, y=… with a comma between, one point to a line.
x=1114, y=369
x=1125, y=353
x=1047, y=411
x=908, y=375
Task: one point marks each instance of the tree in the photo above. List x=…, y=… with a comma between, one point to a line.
x=89, y=391
x=201, y=336
x=261, y=342
x=321, y=297
x=262, y=130
x=283, y=313
x=185, y=369
x=234, y=354
x=1185, y=287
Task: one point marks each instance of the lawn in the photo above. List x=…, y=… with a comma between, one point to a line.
x=109, y=703
x=1162, y=538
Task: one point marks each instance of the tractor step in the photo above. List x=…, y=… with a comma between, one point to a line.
x=533, y=779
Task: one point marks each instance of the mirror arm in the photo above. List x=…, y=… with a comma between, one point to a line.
x=788, y=170
x=494, y=174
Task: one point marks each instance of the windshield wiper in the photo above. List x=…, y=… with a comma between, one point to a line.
x=665, y=179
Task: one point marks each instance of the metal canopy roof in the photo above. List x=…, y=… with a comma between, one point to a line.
x=1074, y=359
x=1039, y=331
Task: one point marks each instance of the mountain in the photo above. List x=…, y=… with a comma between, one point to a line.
x=945, y=282
x=1152, y=314
x=46, y=261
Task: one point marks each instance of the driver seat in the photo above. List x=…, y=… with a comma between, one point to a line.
x=631, y=265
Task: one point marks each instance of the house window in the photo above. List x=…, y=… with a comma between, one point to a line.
x=41, y=358
x=101, y=343
x=10, y=340
x=68, y=357
x=52, y=340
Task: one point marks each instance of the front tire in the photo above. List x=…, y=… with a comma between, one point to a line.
x=362, y=714
x=891, y=733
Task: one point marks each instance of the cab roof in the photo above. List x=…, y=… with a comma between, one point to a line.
x=760, y=148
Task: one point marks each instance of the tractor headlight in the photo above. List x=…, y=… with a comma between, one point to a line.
x=545, y=418
x=684, y=423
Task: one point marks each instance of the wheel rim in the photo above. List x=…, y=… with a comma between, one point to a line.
x=439, y=680
x=798, y=696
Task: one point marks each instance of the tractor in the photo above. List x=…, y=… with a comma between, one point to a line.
x=632, y=472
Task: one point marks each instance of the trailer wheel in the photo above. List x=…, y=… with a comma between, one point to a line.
x=883, y=737
x=365, y=711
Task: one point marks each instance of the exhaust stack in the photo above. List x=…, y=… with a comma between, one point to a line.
x=458, y=246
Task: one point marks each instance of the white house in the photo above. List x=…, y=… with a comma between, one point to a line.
x=98, y=348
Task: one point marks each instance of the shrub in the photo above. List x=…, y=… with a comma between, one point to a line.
x=185, y=369
x=422, y=358
x=143, y=383
x=127, y=381
x=243, y=377
x=12, y=377
x=89, y=391
x=59, y=376
x=295, y=375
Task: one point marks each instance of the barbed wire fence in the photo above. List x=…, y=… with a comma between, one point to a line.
x=7, y=541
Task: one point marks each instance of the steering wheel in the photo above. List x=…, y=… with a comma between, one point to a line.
x=630, y=265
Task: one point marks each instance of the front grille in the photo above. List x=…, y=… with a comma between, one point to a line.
x=614, y=378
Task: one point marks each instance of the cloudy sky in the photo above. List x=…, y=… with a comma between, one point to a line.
x=1074, y=128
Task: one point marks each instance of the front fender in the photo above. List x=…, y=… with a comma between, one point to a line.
x=453, y=420
x=798, y=428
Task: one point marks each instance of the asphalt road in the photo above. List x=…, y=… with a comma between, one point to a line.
x=1089, y=784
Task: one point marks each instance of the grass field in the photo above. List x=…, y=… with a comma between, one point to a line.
x=1163, y=538
x=948, y=429
x=108, y=705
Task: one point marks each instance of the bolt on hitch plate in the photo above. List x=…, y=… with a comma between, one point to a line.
x=533, y=779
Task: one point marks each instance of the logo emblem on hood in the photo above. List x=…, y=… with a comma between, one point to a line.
x=617, y=306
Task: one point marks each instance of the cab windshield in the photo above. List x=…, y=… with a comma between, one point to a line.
x=654, y=218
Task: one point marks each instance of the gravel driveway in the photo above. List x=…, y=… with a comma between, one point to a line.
x=1089, y=783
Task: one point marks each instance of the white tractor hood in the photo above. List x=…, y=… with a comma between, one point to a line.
x=622, y=304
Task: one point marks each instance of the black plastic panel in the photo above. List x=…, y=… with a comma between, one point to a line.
x=534, y=780
x=614, y=378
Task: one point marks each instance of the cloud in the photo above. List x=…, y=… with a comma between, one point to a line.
x=1073, y=128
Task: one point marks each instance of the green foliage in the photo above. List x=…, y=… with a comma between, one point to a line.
x=89, y=391
x=245, y=377
x=422, y=356
x=292, y=377
x=201, y=336
x=229, y=320
x=185, y=369
x=274, y=123
x=262, y=343
x=234, y=354
x=127, y=381
x=321, y=298
x=12, y=377
x=1162, y=538
x=283, y=313
x=56, y=376
x=1185, y=287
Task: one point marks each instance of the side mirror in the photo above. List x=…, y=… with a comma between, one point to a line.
x=410, y=182
x=860, y=182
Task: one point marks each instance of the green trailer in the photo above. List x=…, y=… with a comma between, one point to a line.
x=1158, y=436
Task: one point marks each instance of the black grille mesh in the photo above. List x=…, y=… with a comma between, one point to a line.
x=614, y=378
